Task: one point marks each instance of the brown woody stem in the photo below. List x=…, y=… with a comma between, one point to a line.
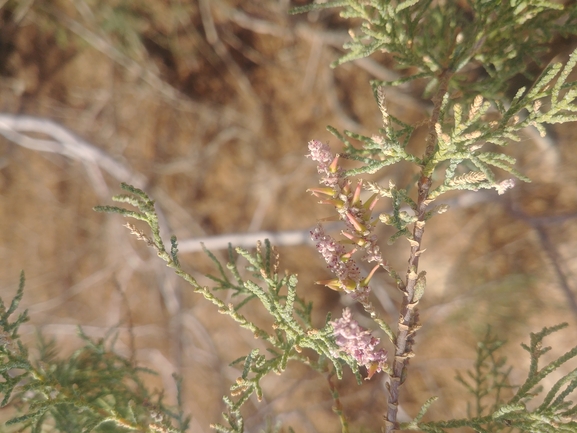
x=408, y=320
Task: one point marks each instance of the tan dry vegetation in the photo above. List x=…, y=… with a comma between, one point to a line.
x=210, y=105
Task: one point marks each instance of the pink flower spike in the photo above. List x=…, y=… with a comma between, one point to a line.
x=356, y=224
x=371, y=202
x=357, y=194
x=320, y=152
x=325, y=191
x=358, y=342
x=357, y=240
x=334, y=167
x=346, y=257
x=334, y=202
x=331, y=284
x=327, y=163
x=332, y=251
x=366, y=281
x=350, y=236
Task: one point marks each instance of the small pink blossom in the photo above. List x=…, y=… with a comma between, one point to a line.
x=326, y=163
x=334, y=252
x=504, y=186
x=358, y=342
x=356, y=216
x=320, y=153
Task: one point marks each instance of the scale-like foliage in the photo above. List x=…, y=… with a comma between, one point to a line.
x=92, y=389
x=492, y=39
x=465, y=55
x=276, y=292
x=511, y=410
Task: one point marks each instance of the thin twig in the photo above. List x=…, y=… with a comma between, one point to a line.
x=65, y=143
x=337, y=39
x=171, y=94
x=409, y=319
x=538, y=224
x=129, y=321
x=245, y=240
x=241, y=81
x=256, y=25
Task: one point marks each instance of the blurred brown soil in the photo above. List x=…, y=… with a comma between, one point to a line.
x=226, y=155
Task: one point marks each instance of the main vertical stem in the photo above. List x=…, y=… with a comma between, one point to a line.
x=409, y=318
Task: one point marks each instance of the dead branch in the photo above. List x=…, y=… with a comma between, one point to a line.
x=62, y=141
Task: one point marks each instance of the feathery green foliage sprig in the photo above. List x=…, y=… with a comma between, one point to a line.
x=466, y=136
x=490, y=379
x=494, y=39
x=292, y=329
x=466, y=55
x=94, y=388
x=13, y=354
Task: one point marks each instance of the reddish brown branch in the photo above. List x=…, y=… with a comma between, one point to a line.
x=409, y=318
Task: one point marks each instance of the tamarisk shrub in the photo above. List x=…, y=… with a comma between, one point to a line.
x=465, y=54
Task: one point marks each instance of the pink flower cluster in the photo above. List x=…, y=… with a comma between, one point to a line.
x=335, y=255
x=504, y=186
x=338, y=254
x=357, y=218
x=357, y=342
x=327, y=163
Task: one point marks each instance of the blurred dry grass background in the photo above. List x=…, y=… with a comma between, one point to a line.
x=210, y=104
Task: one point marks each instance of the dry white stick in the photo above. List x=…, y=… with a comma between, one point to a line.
x=64, y=142
x=13, y=127
x=256, y=25
x=302, y=237
x=244, y=240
